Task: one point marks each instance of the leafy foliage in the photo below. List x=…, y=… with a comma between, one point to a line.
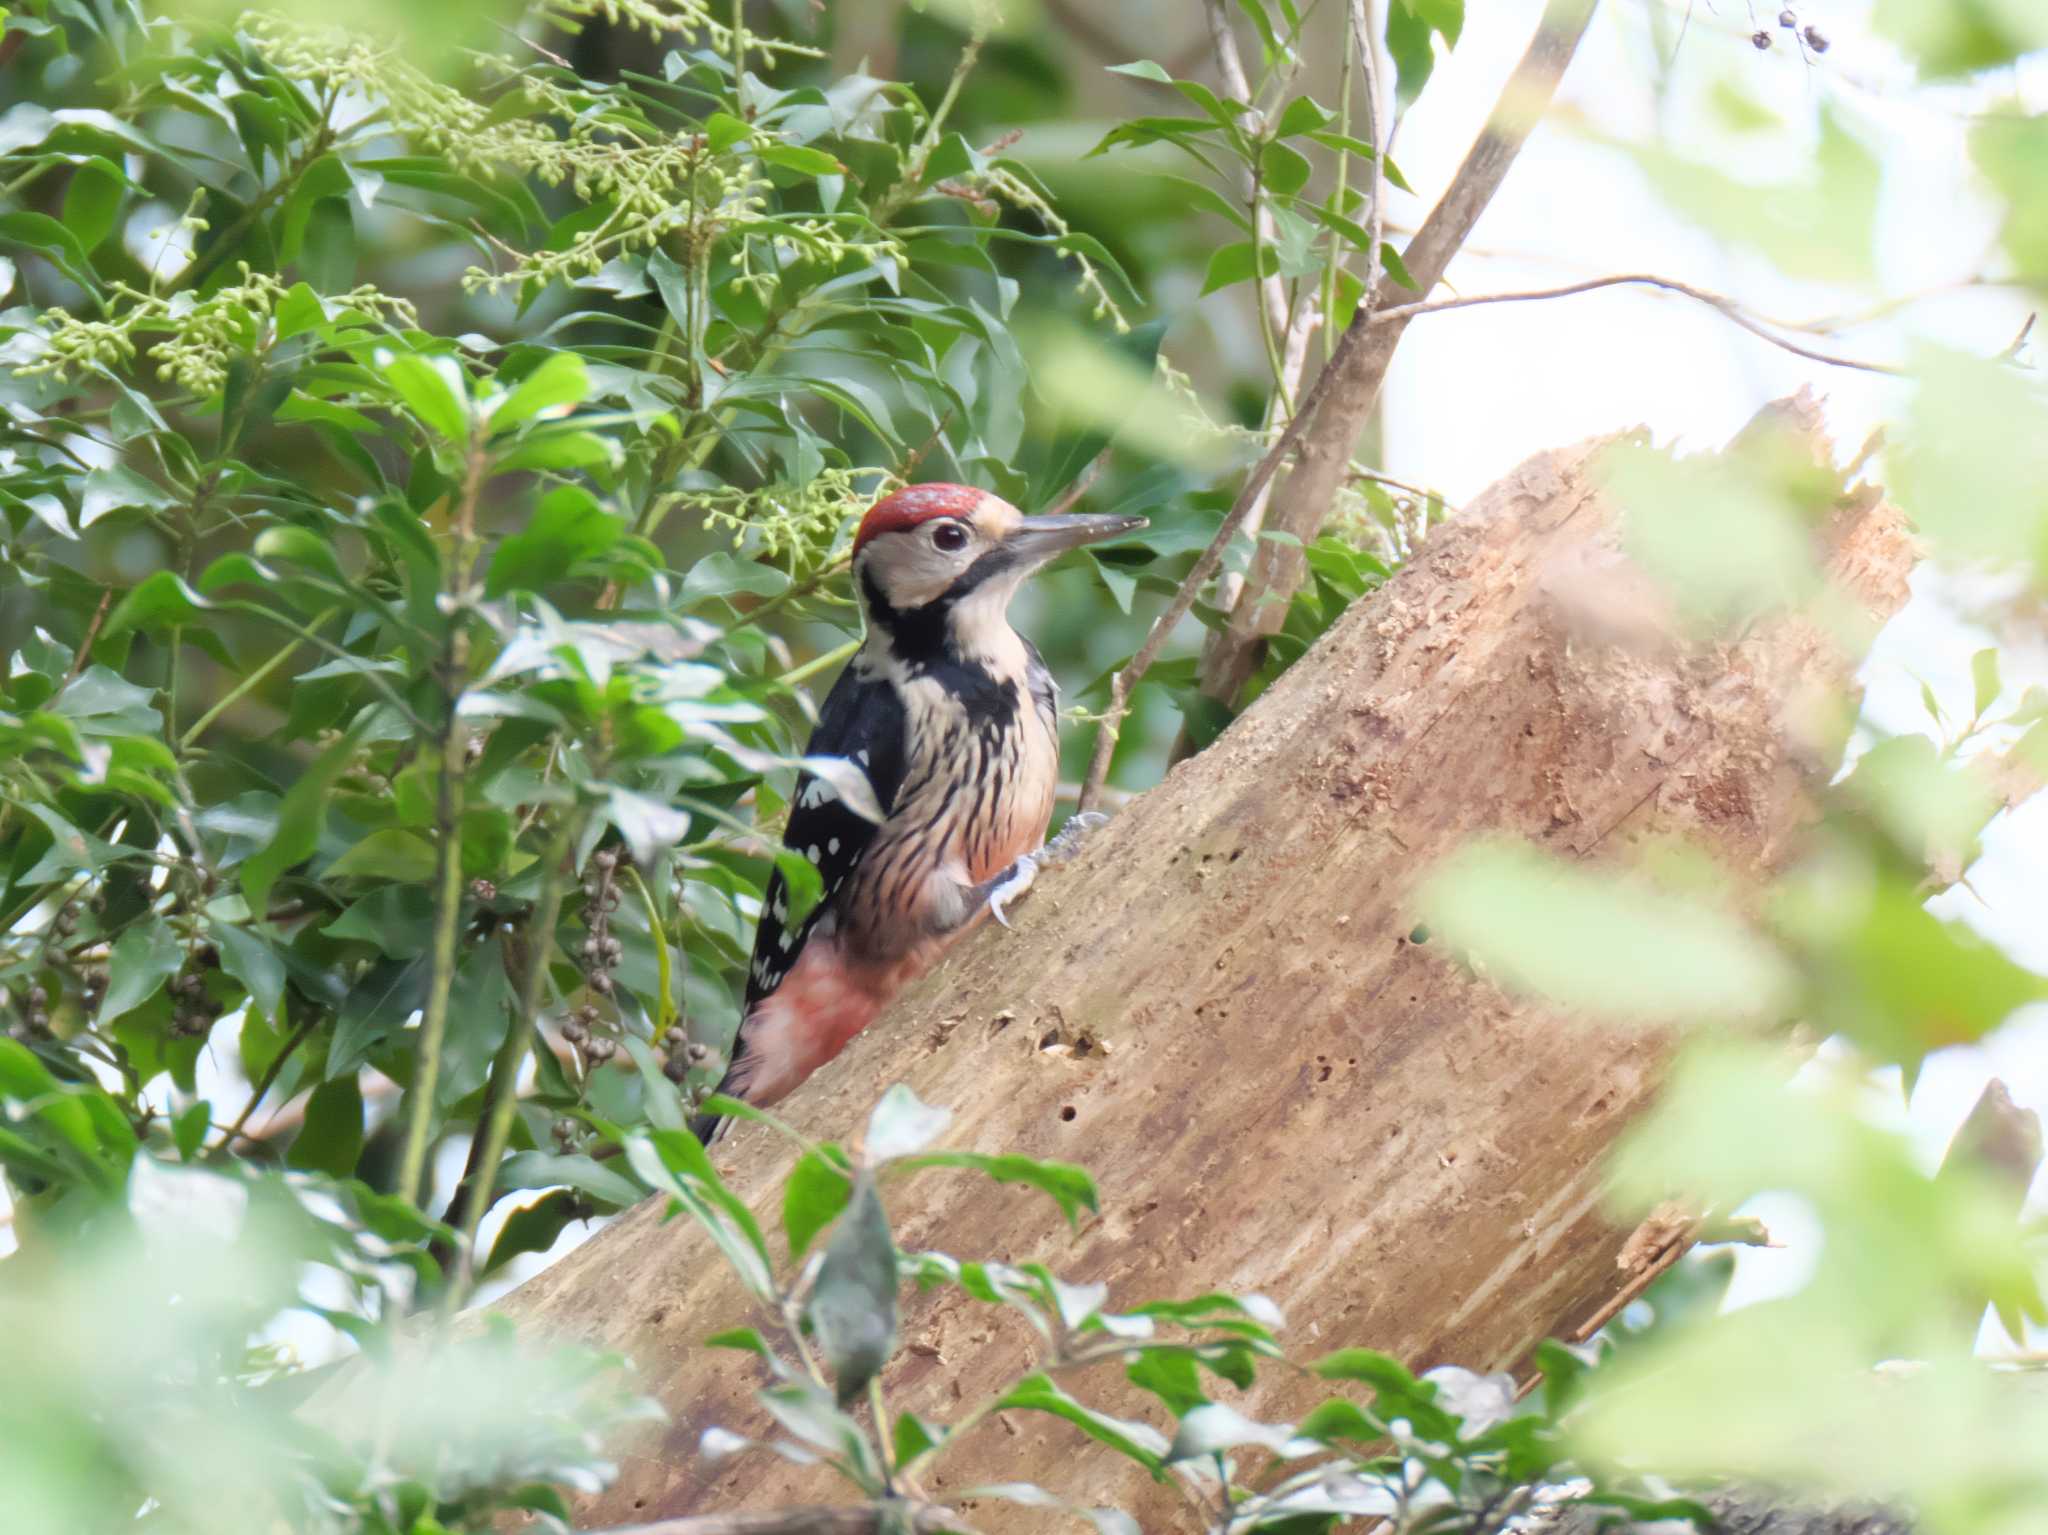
x=1450, y=1450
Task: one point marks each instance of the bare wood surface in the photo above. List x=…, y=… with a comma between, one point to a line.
x=1220, y=1008
x=818, y=1519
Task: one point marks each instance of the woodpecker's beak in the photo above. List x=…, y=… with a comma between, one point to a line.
x=1039, y=539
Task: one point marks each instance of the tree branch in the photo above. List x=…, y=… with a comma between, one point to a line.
x=1277, y=877
x=1349, y=385
x=1727, y=307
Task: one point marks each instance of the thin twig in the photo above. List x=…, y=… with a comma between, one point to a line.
x=1726, y=307
x=1419, y=492
x=99, y=616
x=1121, y=683
x=502, y=1088
x=267, y=1081
x=1272, y=290
x=448, y=801
x=1350, y=381
x=248, y=684
x=1286, y=335
x=1083, y=483
x=1382, y=146
x=2019, y=342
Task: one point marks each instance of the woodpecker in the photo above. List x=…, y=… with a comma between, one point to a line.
x=953, y=717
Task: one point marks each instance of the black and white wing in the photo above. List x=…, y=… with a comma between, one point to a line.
x=863, y=721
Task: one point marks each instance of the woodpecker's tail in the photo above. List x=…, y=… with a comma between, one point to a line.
x=708, y=1127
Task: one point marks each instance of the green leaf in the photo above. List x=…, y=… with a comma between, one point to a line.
x=801, y=159
x=432, y=388
x=813, y=1197
x=541, y=1169
x=1608, y=943
x=92, y=201
x=1070, y=1187
x=1962, y=37
x=1412, y=29
x=722, y=130
x=722, y=574
x=479, y=1014
x=248, y=956
x=853, y=1303
x=332, y=1136
x=1304, y=114
x=533, y=1228
x=1984, y=675
x=673, y=1162
x=2011, y=149
x=560, y=380
x=299, y=818
x=1383, y=1372
x=1337, y=1420
x=328, y=256
x=43, y=234
x=568, y=527
x=397, y=918
x=1238, y=262
x=188, y=1129
x=1355, y=146
x=558, y=450
x=912, y=1437
x=300, y=310
x=375, y=1008
x=1135, y=1441
x=142, y=959
x=299, y=546
x=392, y=853
x=1284, y=171
x=101, y=702
x=1170, y=1374
x=1969, y=464
x=162, y=601
x=1818, y=226
x=114, y=488
x=743, y=1340
x=1217, y=111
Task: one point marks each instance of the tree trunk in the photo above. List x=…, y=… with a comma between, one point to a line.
x=1745, y=1513
x=1224, y=1009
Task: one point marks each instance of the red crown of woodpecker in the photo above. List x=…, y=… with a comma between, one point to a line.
x=914, y=504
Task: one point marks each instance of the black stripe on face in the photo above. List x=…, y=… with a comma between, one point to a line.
x=923, y=634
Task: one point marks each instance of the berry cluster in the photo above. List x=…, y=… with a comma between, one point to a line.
x=601, y=955
x=1810, y=35
x=35, y=1015
x=684, y=1054
x=196, y=1009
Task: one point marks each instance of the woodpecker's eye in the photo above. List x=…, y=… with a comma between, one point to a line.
x=949, y=536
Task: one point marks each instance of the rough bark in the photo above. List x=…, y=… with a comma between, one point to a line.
x=1748, y=1513
x=1223, y=1010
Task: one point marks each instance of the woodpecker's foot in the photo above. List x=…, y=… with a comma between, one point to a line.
x=1013, y=884
x=1071, y=836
